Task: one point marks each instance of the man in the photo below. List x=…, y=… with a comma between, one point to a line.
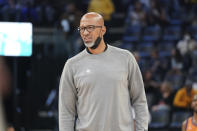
x=191, y=123
x=100, y=84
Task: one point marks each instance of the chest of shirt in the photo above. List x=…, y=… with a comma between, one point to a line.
x=99, y=74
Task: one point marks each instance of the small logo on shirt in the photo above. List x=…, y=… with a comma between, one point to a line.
x=88, y=71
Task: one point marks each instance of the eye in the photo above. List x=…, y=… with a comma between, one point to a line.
x=82, y=28
x=90, y=28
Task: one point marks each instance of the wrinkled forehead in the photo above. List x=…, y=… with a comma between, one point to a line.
x=88, y=21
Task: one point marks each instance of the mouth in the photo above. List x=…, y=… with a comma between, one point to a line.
x=87, y=40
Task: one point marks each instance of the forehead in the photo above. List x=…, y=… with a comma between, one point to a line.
x=90, y=20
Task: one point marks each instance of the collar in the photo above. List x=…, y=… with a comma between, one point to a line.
x=91, y=53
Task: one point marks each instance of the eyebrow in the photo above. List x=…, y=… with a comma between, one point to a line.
x=90, y=25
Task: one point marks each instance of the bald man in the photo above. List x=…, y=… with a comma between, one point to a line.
x=99, y=85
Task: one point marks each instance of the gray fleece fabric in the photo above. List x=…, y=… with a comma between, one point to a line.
x=100, y=89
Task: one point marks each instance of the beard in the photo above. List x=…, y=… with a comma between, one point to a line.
x=89, y=45
x=94, y=45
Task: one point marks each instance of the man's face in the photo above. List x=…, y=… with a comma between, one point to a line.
x=194, y=104
x=90, y=29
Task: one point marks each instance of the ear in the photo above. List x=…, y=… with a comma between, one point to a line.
x=103, y=30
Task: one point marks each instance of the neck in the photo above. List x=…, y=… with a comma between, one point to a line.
x=99, y=49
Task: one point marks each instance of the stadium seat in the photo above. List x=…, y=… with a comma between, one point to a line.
x=132, y=34
x=165, y=48
x=160, y=119
x=127, y=46
x=178, y=117
x=172, y=33
x=150, y=99
x=151, y=33
x=145, y=48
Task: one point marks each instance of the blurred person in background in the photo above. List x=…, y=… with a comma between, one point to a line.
x=175, y=74
x=103, y=7
x=5, y=78
x=5, y=86
x=67, y=24
x=190, y=124
x=188, y=48
x=151, y=85
x=153, y=13
x=164, y=97
x=137, y=16
x=10, y=128
x=100, y=84
x=157, y=65
x=176, y=59
x=187, y=44
x=184, y=96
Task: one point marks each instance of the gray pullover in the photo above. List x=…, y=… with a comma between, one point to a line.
x=100, y=90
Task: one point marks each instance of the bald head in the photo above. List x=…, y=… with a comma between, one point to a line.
x=92, y=30
x=94, y=16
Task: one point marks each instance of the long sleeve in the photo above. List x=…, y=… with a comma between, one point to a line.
x=179, y=101
x=67, y=100
x=137, y=94
x=182, y=100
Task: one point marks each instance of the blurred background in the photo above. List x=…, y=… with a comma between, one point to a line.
x=162, y=35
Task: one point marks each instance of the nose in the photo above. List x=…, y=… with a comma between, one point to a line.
x=85, y=32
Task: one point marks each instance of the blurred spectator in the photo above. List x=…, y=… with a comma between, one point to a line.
x=146, y=3
x=187, y=44
x=176, y=59
x=137, y=16
x=194, y=56
x=5, y=78
x=139, y=60
x=184, y=96
x=5, y=86
x=150, y=85
x=164, y=18
x=153, y=14
x=165, y=97
x=72, y=16
x=189, y=9
x=103, y=7
x=154, y=62
x=65, y=24
x=68, y=23
x=175, y=77
x=157, y=65
x=10, y=128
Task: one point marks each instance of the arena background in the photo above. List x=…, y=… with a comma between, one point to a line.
x=161, y=34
